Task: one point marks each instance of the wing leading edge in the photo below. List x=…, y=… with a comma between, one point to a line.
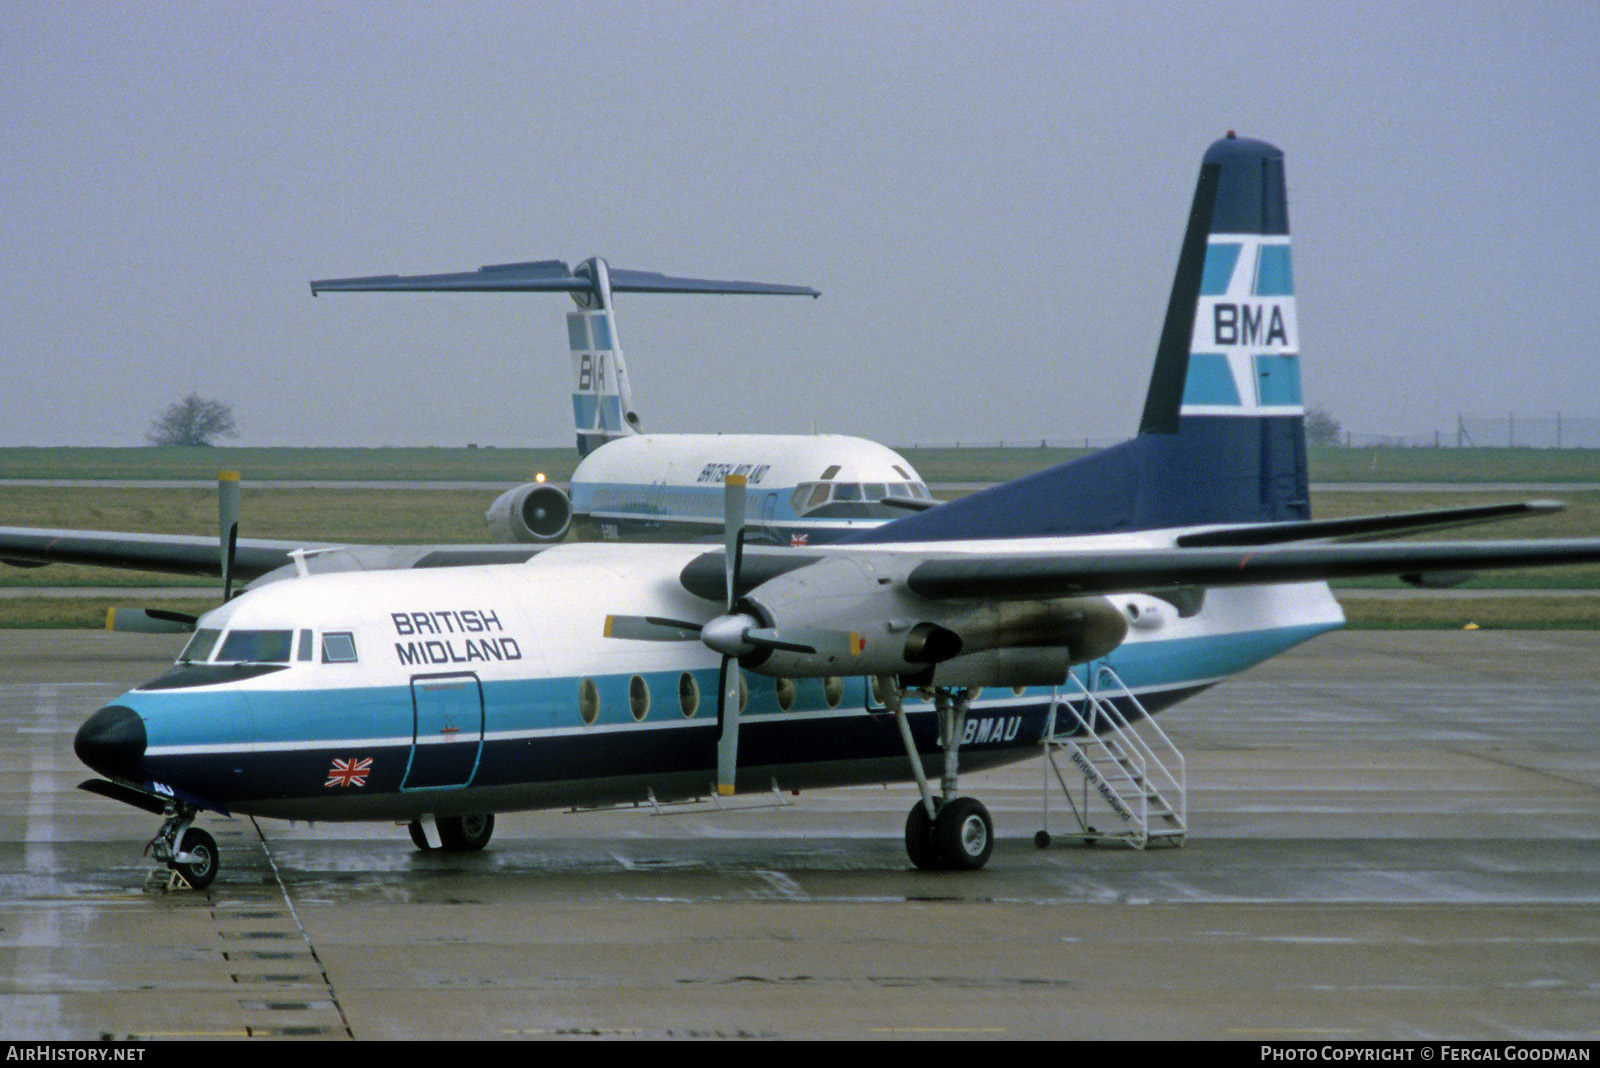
x=1036, y=575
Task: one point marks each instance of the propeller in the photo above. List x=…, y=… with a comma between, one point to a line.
x=734, y=634
x=227, y=527
x=159, y=621
x=733, y=499
x=728, y=634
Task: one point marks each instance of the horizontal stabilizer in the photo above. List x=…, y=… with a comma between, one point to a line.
x=547, y=276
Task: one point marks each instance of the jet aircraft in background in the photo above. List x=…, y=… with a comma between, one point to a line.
x=629, y=486
x=593, y=674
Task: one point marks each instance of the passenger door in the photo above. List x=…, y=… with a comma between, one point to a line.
x=447, y=734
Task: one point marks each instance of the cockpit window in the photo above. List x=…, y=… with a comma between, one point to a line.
x=812, y=495
x=200, y=646
x=256, y=647
x=338, y=648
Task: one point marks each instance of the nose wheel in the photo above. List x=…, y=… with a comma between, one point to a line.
x=186, y=849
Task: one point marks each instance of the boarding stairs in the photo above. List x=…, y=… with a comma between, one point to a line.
x=1124, y=780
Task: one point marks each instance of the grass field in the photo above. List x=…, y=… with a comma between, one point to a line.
x=453, y=515
x=935, y=465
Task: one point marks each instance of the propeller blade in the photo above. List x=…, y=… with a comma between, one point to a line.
x=149, y=621
x=227, y=526
x=728, y=720
x=733, y=532
x=651, y=629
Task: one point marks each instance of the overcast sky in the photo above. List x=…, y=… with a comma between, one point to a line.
x=989, y=195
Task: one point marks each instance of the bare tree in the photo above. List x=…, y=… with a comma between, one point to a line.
x=192, y=421
x=1321, y=427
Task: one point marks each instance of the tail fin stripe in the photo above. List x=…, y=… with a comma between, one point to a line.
x=1162, y=403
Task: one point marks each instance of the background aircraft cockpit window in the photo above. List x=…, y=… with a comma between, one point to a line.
x=303, y=647
x=256, y=647
x=339, y=648
x=200, y=646
x=847, y=491
x=875, y=491
x=899, y=489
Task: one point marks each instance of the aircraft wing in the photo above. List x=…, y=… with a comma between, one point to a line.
x=1367, y=526
x=178, y=554
x=172, y=554
x=1035, y=575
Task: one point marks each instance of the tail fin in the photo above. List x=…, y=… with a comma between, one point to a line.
x=1222, y=437
x=602, y=402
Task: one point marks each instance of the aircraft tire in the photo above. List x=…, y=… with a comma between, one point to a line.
x=964, y=834
x=920, y=844
x=419, y=836
x=199, y=872
x=464, y=834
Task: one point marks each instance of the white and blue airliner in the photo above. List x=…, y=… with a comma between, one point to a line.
x=632, y=486
x=443, y=690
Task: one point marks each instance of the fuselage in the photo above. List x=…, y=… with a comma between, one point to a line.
x=387, y=695
x=802, y=489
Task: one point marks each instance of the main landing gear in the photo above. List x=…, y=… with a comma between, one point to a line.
x=946, y=833
x=457, y=834
x=186, y=849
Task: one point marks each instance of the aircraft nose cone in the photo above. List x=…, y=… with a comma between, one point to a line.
x=112, y=742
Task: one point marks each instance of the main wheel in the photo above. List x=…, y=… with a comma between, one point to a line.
x=964, y=834
x=920, y=844
x=199, y=871
x=463, y=834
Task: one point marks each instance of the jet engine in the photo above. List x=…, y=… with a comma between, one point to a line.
x=536, y=512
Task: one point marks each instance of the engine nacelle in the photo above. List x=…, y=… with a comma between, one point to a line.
x=536, y=512
x=884, y=629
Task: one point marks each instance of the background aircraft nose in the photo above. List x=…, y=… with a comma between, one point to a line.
x=112, y=741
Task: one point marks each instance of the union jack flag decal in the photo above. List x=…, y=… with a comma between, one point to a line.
x=350, y=772
x=797, y=540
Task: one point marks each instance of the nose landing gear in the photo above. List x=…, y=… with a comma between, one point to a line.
x=186, y=849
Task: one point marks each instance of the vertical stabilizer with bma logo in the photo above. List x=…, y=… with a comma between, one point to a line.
x=1222, y=437
x=602, y=401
